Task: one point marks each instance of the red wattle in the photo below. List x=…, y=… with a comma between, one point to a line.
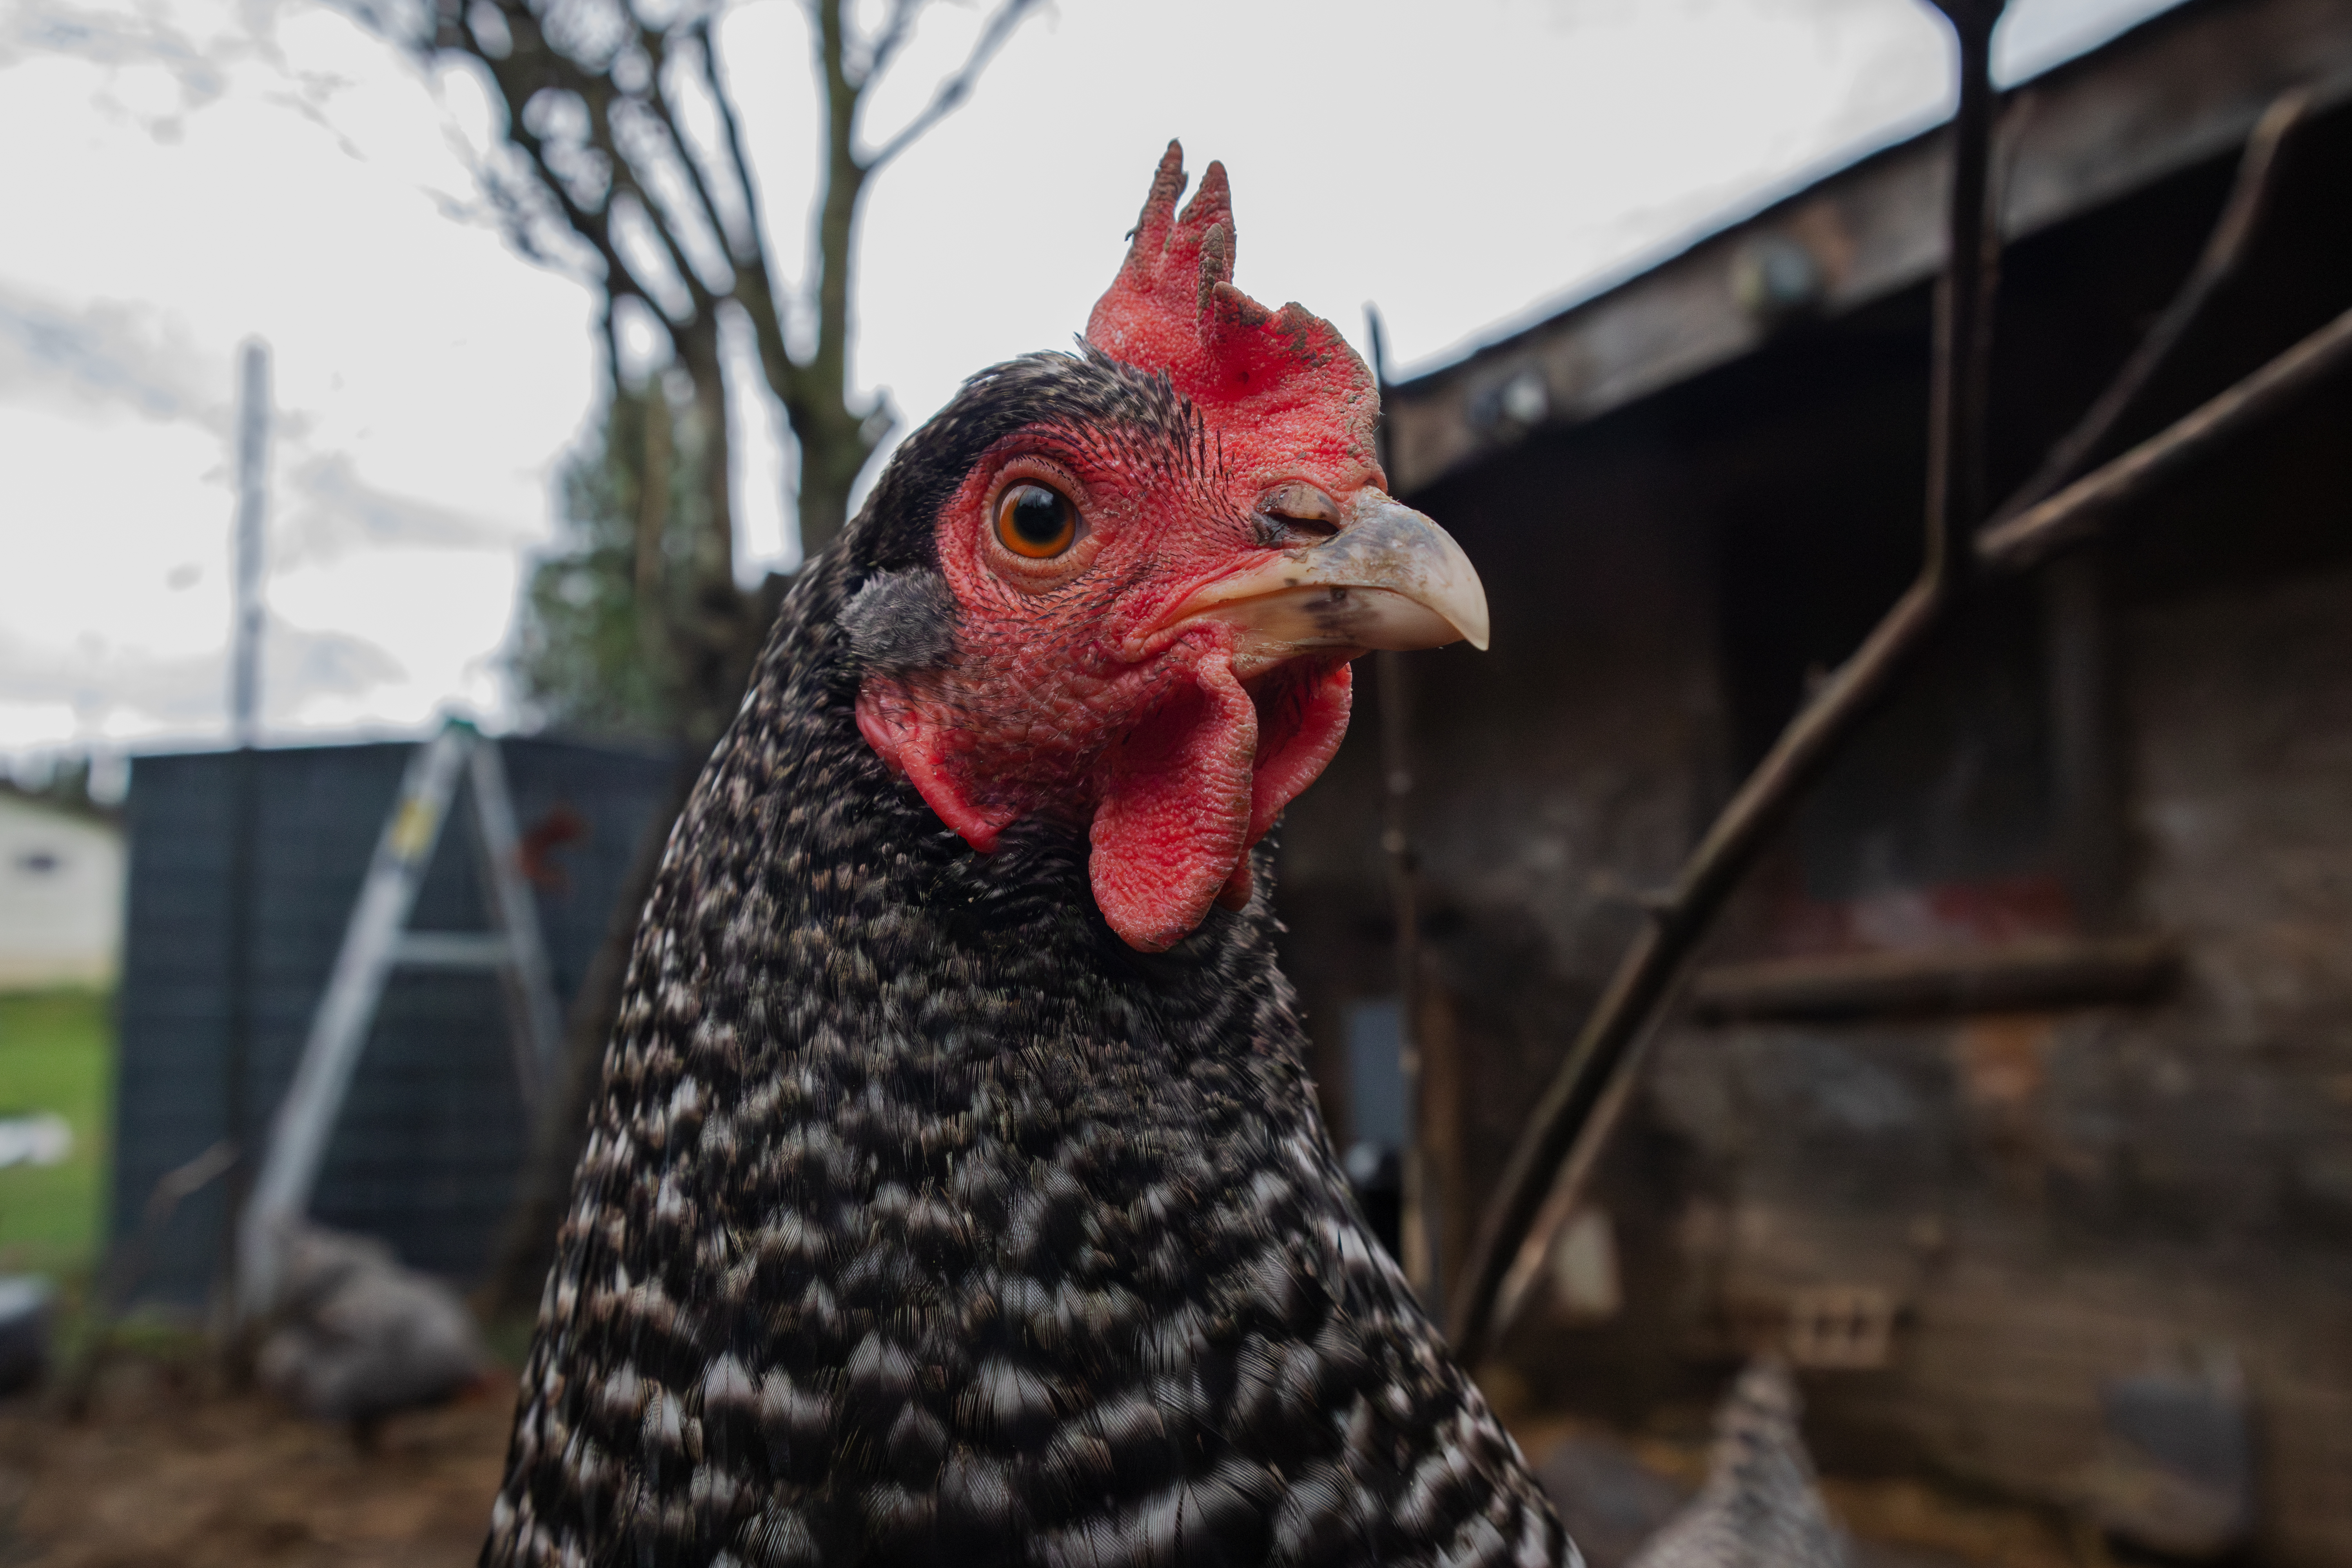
x=1187, y=792
x=1177, y=800
x=1174, y=812
x=1302, y=717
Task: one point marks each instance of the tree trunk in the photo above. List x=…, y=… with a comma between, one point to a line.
x=685, y=190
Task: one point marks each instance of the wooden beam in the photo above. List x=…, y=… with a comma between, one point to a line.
x=2183, y=87
x=2060, y=972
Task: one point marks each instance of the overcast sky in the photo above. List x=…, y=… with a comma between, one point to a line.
x=184, y=174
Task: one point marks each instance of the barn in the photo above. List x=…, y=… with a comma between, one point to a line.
x=2012, y=1098
x=432, y=1136
x=60, y=894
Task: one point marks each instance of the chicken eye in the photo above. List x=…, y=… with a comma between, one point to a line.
x=1035, y=523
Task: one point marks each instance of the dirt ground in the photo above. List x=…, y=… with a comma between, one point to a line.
x=1613, y=1491
x=166, y=1473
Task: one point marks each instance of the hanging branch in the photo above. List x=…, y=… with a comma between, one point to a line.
x=2005, y=546
x=1677, y=920
x=2078, y=514
x=2225, y=248
x=2022, y=536
x=955, y=89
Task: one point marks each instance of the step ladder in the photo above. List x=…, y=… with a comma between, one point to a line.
x=378, y=940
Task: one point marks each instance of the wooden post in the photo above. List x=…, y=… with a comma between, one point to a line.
x=1417, y=1230
x=2085, y=748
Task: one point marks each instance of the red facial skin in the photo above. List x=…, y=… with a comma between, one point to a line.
x=1076, y=692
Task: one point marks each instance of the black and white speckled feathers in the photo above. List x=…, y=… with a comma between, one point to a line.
x=923, y=1221
x=1759, y=1507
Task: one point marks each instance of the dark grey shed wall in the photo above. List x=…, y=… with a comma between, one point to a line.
x=428, y=1145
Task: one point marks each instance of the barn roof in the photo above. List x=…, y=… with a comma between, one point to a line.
x=2181, y=89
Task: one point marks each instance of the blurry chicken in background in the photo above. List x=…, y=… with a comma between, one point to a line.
x=357, y=1339
x=1759, y=1507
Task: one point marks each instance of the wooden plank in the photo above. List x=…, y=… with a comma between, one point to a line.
x=2044, y=973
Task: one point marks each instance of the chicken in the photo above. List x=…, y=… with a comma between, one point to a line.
x=1759, y=1508
x=357, y=1338
x=956, y=1191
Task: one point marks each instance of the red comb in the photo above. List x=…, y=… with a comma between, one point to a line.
x=1173, y=307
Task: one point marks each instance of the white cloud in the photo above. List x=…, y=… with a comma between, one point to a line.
x=212, y=170
x=105, y=356
x=329, y=511
x=104, y=691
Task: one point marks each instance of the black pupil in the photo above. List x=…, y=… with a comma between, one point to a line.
x=1038, y=514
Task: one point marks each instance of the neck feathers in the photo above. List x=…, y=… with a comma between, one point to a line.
x=922, y=1220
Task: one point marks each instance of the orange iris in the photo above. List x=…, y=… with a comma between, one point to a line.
x=1034, y=523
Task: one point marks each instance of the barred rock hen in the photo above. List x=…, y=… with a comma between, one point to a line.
x=1759, y=1508
x=356, y=1337
x=956, y=1193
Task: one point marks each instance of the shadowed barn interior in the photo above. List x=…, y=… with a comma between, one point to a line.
x=2012, y=1097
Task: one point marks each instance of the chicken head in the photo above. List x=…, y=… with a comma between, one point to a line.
x=1140, y=574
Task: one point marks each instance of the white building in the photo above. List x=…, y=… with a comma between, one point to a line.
x=60, y=897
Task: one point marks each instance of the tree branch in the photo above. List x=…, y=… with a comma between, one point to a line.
x=702, y=298
x=1646, y=974
x=2225, y=248
x=887, y=43
x=2077, y=514
x=739, y=167
x=591, y=226
x=634, y=162
x=529, y=66
x=755, y=290
x=958, y=86
x=706, y=210
x=1568, y=1123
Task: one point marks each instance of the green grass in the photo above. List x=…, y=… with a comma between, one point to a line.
x=56, y=1053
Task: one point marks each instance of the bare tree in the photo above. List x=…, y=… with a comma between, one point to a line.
x=621, y=159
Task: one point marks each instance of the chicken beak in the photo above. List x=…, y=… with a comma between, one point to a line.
x=1390, y=579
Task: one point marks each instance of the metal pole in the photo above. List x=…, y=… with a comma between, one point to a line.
x=252, y=503
x=244, y=784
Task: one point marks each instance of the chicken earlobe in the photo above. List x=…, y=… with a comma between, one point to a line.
x=893, y=722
